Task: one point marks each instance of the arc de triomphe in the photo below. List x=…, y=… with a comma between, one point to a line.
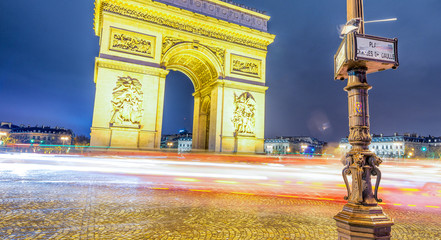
x=220, y=46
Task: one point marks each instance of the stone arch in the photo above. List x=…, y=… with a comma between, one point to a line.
x=205, y=106
x=198, y=62
x=202, y=66
x=222, y=55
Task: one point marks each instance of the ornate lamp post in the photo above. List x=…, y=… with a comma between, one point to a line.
x=359, y=54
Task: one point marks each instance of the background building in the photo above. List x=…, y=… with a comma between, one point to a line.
x=6, y=127
x=185, y=144
x=401, y=146
x=37, y=135
x=277, y=146
x=294, y=144
x=181, y=141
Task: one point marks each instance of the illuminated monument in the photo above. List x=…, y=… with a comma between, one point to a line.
x=220, y=46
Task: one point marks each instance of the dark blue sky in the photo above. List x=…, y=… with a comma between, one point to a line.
x=47, y=51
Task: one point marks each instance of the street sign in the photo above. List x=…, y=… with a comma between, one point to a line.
x=358, y=50
x=375, y=50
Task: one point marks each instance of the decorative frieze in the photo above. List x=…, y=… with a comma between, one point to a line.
x=132, y=42
x=246, y=66
x=145, y=14
x=244, y=116
x=130, y=67
x=222, y=11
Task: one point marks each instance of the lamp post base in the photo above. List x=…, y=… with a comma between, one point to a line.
x=358, y=222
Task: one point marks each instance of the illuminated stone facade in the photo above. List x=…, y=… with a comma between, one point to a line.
x=41, y=135
x=294, y=145
x=401, y=146
x=219, y=45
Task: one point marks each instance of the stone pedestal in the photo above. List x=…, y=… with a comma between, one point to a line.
x=358, y=222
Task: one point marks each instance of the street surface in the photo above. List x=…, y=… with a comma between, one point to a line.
x=201, y=196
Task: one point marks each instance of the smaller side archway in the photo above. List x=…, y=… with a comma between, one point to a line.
x=201, y=125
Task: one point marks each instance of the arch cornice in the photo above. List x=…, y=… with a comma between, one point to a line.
x=130, y=67
x=162, y=14
x=173, y=46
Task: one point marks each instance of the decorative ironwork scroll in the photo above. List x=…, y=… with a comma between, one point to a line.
x=361, y=167
x=244, y=116
x=127, y=103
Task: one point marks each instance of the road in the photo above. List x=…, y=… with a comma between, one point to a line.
x=201, y=196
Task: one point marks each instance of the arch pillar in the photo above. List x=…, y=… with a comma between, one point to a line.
x=119, y=83
x=238, y=117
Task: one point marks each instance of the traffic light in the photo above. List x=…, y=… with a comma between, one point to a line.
x=423, y=149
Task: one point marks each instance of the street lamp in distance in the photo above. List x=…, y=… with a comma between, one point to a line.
x=64, y=139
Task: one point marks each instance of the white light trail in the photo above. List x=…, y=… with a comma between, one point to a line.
x=382, y=20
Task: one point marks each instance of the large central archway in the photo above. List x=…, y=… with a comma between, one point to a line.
x=202, y=66
x=220, y=46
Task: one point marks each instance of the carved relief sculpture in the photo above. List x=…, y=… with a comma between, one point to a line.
x=169, y=42
x=220, y=54
x=244, y=113
x=131, y=42
x=245, y=66
x=127, y=103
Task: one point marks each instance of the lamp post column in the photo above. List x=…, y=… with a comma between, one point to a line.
x=361, y=217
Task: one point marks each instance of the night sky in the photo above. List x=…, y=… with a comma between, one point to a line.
x=47, y=52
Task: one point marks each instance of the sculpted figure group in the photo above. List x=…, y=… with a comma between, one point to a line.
x=127, y=102
x=244, y=113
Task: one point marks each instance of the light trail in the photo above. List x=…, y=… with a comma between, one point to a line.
x=21, y=168
x=405, y=184
x=382, y=20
